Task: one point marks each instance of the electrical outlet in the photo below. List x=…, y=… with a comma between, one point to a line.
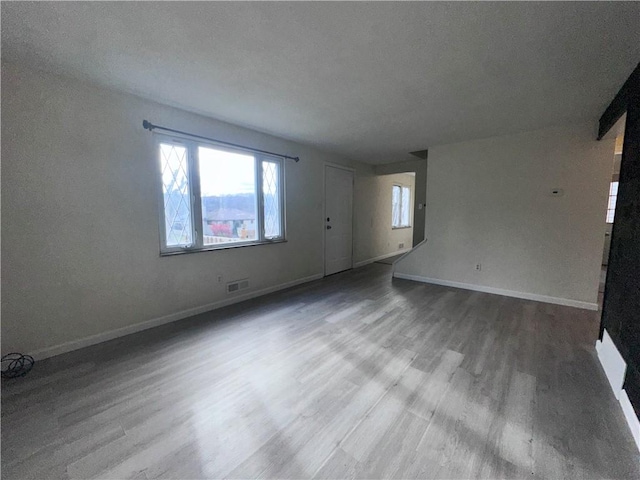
x=220, y=279
x=478, y=266
x=400, y=246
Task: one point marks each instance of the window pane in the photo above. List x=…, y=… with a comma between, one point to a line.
x=271, y=199
x=228, y=196
x=395, y=206
x=611, y=209
x=176, y=191
x=613, y=196
x=406, y=209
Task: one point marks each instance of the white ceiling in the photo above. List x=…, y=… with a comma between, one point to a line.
x=371, y=81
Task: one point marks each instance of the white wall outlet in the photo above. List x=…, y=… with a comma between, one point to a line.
x=400, y=246
x=220, y=279
x=478, y=266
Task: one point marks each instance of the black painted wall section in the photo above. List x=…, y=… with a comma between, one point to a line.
x=621, y=309
x=620, y=103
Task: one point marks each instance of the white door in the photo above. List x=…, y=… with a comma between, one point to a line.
x=338, y=221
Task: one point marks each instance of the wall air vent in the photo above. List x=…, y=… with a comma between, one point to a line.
x=237, y=285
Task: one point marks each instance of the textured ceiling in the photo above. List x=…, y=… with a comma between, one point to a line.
x=371, y=81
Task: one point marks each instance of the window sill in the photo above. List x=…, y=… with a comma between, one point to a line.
x=401, y=228
x=213, y=249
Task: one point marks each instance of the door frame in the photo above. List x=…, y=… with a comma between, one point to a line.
x=324, y=211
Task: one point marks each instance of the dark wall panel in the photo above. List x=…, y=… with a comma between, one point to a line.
x=621, y=310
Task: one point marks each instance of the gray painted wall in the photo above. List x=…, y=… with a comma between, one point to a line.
x=489, y=202
x=80, y=246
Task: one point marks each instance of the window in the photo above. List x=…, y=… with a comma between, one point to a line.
x=400, y=207
x=613, y=196
x=217, y=197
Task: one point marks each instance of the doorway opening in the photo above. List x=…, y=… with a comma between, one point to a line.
x=391, y=211
x=618, y=132
x=392, y=217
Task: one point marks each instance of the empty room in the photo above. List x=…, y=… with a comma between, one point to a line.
x=297, y=240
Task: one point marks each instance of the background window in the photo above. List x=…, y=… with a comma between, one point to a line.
x=613, y=196
x=214, y=197
x=400, y=207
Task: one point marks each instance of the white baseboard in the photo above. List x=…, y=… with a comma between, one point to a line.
x=381, y=257
x=630, y=416
x=156, y=322
x=499, y=291
x=615, y=368
x=612, y=362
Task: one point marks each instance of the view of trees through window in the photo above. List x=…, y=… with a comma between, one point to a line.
x=228, y=193
x=225, y=200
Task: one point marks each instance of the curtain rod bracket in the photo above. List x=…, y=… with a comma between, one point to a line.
x=147, y=125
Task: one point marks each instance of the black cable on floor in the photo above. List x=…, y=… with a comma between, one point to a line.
x=16, y=365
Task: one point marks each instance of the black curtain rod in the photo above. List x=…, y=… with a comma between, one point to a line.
x=150, y=126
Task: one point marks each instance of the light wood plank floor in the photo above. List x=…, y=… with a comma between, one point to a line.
x=356, y=375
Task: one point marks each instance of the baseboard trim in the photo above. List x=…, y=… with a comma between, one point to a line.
x=156, y=322
x=630, y=416
x=499, y=291
x=614, y=368
x=381, y=257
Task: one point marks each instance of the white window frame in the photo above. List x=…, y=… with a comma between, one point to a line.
x=401, y=187
x=193, y=175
